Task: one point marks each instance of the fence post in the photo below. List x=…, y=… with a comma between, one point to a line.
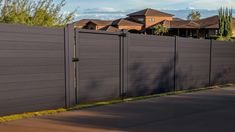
x=210, y=63
x=175, y=62
x=124, y=62
x=70, y=99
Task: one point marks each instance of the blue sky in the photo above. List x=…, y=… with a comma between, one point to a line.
x=112, y=9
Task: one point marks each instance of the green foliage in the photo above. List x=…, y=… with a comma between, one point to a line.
x=222, y=38
x=160, y=29
x=194, y=15
x=30, y=114
x=225, y=23
x=40, y=13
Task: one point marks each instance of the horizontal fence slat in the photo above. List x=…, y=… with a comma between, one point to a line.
x=14, y=28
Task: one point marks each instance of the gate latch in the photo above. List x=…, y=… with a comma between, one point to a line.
x=75, y=59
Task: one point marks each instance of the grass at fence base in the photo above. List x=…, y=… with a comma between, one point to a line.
x=30, y=114
x=87, y=105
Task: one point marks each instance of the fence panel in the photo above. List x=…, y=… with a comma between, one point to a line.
x=98, y=68
x=193, y=63
x=150, y=64
x=32, y=68
x=223, y=62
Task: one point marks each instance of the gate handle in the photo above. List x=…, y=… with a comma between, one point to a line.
x=75, y=59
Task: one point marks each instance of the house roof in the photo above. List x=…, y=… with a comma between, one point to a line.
x=110, y=29
x=101, y=22
x=210, y=22
x=184, y=24
x=150, y=12
x=82, y=22
x=125, y=22
x=177, y=19
x=97, y=22
x=179, y=24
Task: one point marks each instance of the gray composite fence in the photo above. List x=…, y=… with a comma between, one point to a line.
x=150, y=64
x=31, y=68
x=222, y=63
x=192, y=63
x=47, y=68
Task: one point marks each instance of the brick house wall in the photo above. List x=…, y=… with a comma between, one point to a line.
x=151, y=20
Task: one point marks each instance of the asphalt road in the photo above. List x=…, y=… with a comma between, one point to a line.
x=205, y=111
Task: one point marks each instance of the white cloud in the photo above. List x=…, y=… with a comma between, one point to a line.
x=102, y=10
x=212, y=4
x=101, y=13
x=106, y=9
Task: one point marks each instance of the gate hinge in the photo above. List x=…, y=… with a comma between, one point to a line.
x=75, y=59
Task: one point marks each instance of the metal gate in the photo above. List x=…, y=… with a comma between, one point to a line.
x=98, y=65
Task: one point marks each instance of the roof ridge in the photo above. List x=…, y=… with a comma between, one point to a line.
x=193, y=22
x=208, y=17
x=119, y=20
x=147, y=10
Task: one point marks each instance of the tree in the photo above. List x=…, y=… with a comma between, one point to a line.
x=225, y=22
x=221, y=21
x=194, y=15
x=40, y=13
x=160, y=29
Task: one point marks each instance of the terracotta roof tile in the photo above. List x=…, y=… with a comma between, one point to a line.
x=110, y=29
x=150, y=12
x=210, y=22
x=101, y=22
x=125, y=22
x=184, y=24
x=95, y=21
x=177, y=19
x=82, y=22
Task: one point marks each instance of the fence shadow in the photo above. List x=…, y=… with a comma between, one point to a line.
x=96, y=90
x=184, y=80
x=144, y=80
x=220, y=77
